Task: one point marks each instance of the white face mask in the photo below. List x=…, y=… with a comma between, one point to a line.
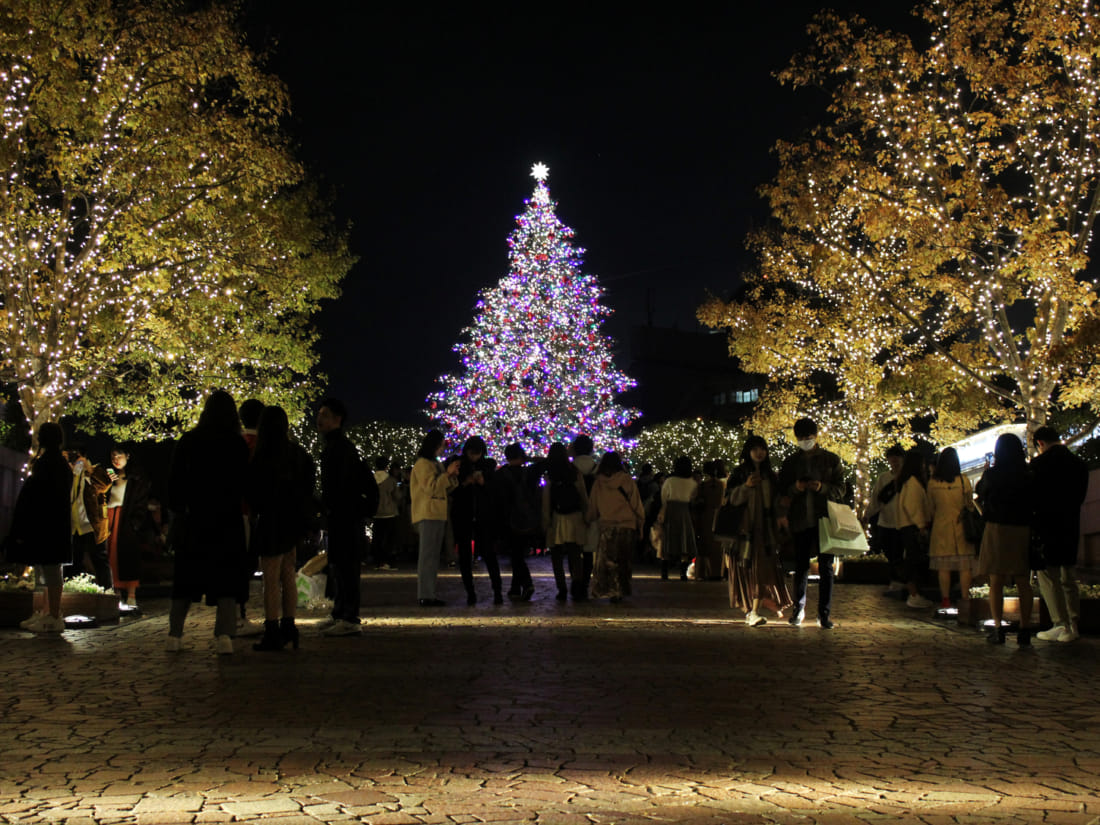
x=807, y=444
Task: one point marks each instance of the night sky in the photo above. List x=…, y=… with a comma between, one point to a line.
x=424, y=123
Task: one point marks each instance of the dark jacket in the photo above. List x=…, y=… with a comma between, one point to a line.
x=345, y=482
x=804, y=509
x=516, y=501
x=40, y=529
x=280, y=498
x=133, y=527
x=205, y=492
x=1006, y=495
x=1061, y=483
x=472, y=511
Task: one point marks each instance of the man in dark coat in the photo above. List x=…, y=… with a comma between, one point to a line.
x=808, y=480
x=346, y=499
x=1061, y=482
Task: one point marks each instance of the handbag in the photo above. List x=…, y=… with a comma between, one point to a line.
x=973, y=524
x=727, y=521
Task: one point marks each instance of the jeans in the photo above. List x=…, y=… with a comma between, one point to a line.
x=487, y=548
x=86, y=545
x=805, y=548
x=432, y=532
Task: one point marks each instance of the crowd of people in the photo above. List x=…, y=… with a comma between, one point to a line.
x=243, y=496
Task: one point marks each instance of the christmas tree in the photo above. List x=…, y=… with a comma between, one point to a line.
x=536, y=368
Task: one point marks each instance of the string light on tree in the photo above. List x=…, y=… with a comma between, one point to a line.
x=536, y=367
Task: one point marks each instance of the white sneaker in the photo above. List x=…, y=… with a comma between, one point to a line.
x=174, y=644
x=34, y=623
x=755, y=620
x=1069, y=634
x=51, y=624
x=1050, y=635
x=918, y=601
x=342, y=628
x=224, y=646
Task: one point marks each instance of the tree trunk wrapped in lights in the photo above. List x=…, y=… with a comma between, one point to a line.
x=536, y=368
x=157, y=239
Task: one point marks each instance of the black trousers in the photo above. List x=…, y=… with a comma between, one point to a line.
x=517, y=546
x=483, y=544
x=85, y=545
x=805, y=548
x=384, y=541
x=558, y=554
x=344, y=566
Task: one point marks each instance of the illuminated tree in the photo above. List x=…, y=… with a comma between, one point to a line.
x=966, y=176
x=662, y=444
x=536, y=368
x=156, y=238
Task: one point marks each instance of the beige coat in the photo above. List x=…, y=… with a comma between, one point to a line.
x=913, y=509
x=565, y=528
x=946, y=501
x=429, y=485
x=612, y=508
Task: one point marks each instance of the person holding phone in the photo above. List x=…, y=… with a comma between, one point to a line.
x=128, y=518
x=473, y=518
x=756, y=576
x=429, y=488
x=808, y=480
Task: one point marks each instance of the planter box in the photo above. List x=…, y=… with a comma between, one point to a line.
x=974, y=612
x=15, y=606
x=1089, y=621
x=864, y=572
x=103, y=607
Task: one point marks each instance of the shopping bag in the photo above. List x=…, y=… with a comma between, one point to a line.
x=315, y=564
x=843, y=522
x=311, y=590
x=837, y=545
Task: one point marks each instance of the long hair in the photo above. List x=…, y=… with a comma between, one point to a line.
x=1008, y=453
x=219, y=414
x=558, y=464
x=751, y=443
x=433, y=440
x=912, y=466
x=947, y=465
x=272, y=437
x=682, y=467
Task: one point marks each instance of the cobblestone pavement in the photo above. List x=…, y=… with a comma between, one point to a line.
x=664, y=709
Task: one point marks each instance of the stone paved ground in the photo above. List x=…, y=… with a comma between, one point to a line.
x=665, y=709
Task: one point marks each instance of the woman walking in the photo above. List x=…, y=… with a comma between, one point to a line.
x=206, y=494
x=914, y=518
x=472, y=518
x=429, y=486
x=616, y=507
x=677, y=495
x=41, y=532
x=708, y=564
x=756, y=576
x=949, y=494
x=564, y=503
x=128, y=519
x=1006, y=495
x=281, y=476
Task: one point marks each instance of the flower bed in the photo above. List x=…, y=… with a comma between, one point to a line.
x=869, y=569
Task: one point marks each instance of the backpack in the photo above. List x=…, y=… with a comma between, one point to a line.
x=564, y=497
x=364, y=489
